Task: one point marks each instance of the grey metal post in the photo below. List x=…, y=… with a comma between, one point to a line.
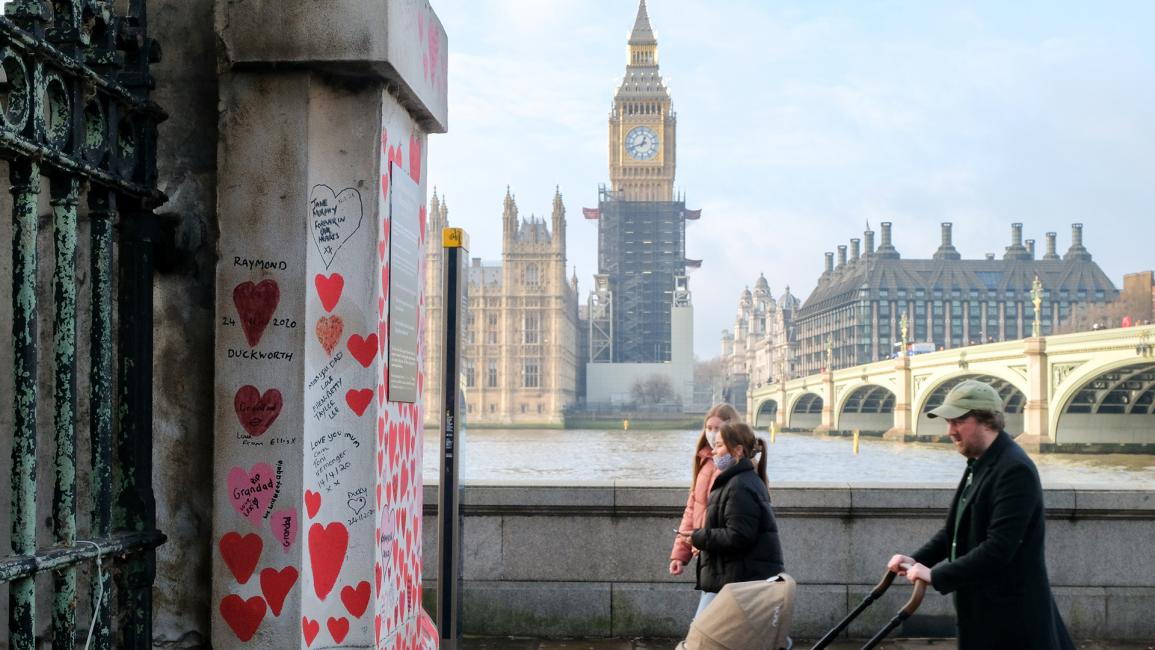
x=455, y=244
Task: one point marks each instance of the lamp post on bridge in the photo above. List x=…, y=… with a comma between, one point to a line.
x=1037, y=300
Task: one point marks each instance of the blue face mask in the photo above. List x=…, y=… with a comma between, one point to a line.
x=723, y=462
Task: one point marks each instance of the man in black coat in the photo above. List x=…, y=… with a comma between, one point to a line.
x=990, y=552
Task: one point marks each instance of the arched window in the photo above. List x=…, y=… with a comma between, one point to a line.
x=532, y=277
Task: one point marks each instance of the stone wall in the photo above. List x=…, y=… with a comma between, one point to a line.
x=590, y=559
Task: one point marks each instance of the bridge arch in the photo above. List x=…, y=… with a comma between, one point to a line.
x=1109, y=404
x=1013, y=395
x=765, y=413
x=866, y=407
x=805, y=411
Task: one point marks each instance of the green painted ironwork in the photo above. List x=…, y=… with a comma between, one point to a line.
x=75, y=111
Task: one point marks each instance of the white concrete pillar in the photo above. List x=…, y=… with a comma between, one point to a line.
x=319, y=362
x=1036, y=414
x=903, y=401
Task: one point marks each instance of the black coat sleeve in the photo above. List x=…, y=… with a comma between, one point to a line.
x=740, y=515
x=1015, y=495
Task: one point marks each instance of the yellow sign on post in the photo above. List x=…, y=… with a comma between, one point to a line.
x=773, y=432
x=454, y=238
x=856, y=434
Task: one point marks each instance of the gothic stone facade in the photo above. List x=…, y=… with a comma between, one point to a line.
x=519, y=354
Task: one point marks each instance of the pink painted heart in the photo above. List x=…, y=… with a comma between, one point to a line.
x=284, y=526
x=251, y=492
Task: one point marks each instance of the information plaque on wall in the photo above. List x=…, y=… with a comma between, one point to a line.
x=404, y=257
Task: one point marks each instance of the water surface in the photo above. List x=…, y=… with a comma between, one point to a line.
x=518, y=455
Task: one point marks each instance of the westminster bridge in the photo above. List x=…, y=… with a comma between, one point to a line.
x=1087, y=391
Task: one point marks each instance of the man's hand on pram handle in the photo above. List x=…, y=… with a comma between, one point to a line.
x=904, y=565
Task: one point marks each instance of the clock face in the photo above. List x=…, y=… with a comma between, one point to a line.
x=642, y=143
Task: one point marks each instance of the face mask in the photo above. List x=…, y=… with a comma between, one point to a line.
x=723, y=462
x=711, y=436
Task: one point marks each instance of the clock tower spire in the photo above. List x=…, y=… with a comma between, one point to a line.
x=642, y=123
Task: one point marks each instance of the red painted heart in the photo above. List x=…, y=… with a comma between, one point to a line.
x=275, y=585
x=329, y=289
x=310, y=629
x=359, y=400
x=363, y=349
x=241, y=554
x=243, y=616
x=338, y=628
x=356, y=599
x=327, y=547
x=255, y=305
x=312, y=503
x=255, y=411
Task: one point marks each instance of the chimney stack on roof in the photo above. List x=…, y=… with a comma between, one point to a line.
x=869, y=235
x=990, y=256
x=854, y=250
x=946, y=250
x=1051, y=254
x=1016, y=251
x=1031, y=247
x=829, y=263
x=841, y=257
x=886, y=249
x=1077, y=251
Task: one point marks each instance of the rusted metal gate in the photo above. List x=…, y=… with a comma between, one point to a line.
x=75, y=116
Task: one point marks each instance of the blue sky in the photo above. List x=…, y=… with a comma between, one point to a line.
x=799, y=121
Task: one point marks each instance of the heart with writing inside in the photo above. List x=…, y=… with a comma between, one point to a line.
x=327, y=548
x=276, y=585
x=356, y=599
x=329, y=288
x=284, y=525
x=363, y=349
x=241, y=554
x=243, y=616
x=359, y=400
x=329, y=329
x=255, y=411
x=334, y=217
x=255, y=305
x=251, y=492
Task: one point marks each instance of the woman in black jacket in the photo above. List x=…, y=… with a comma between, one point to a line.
x=739, y=541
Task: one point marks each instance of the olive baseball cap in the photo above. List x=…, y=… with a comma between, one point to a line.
x=968, y=396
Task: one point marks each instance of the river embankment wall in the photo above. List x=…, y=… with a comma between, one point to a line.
x=590, y=559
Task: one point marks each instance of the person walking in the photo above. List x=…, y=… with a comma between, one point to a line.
x=701, y=480
x=738, y=540
x=990, y=551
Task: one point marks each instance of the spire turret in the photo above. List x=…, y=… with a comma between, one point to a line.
x=558, y=222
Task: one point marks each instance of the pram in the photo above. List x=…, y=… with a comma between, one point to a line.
x=757, y=616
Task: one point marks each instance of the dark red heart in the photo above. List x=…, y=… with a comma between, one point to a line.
x=255, y=305
x=255, y=411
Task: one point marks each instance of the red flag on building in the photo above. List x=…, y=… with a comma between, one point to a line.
x=591, y=213
x=693, y=214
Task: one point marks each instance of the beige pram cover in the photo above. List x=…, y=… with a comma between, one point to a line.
x=745, y=616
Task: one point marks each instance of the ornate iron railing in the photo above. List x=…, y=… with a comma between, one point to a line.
x=75, y=115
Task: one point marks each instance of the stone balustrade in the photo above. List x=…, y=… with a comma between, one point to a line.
x=590, y=559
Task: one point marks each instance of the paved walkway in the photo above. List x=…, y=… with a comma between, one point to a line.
x=668, y=644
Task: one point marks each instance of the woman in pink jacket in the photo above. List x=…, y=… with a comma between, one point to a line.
x=701, y=479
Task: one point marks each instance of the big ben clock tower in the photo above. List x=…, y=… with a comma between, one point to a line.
x=640, y=312
x=642, y=123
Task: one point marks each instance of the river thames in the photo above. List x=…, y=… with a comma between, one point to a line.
x=567, y=456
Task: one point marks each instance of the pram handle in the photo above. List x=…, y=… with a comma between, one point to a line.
x=903, y=614
x=874, y=595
